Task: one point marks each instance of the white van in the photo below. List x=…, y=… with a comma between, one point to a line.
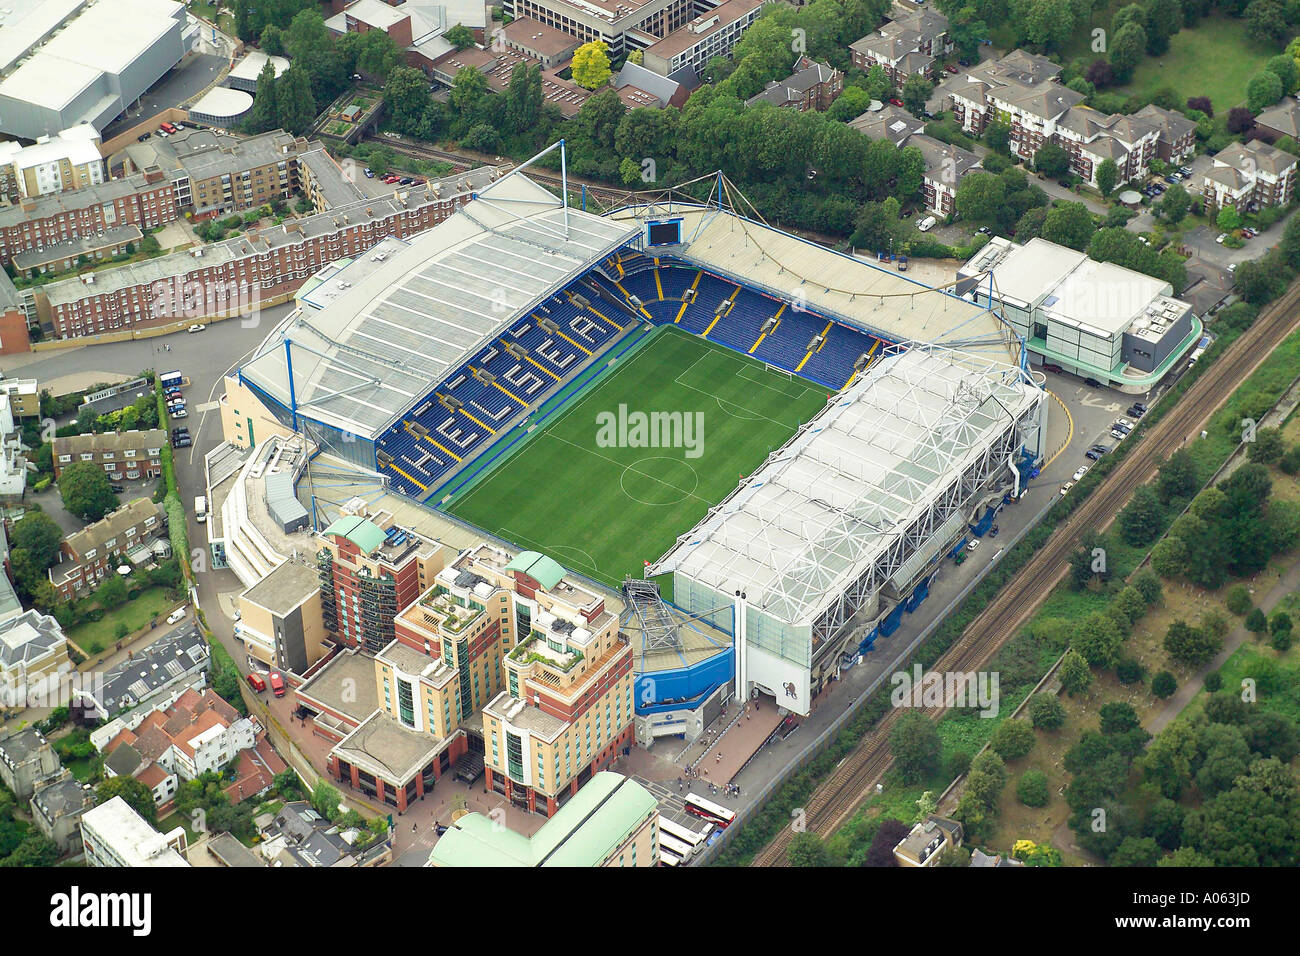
x=926, y=224
x=200, y=509
x=177, y=615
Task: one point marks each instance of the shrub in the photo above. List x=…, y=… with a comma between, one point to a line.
x=1032, y=788
x=1164, y=685
x=1282, y=641
x=1129, y=670
x=1213, y=682
x=1237, y=600
x=1013, y=739
x=1046, y=712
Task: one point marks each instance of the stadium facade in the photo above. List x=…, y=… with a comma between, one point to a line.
x=412, y=361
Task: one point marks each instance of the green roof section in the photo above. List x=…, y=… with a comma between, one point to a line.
x=583, y=832
x=545, y=571
x=362, y=532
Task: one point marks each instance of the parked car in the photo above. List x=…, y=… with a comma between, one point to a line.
x=974, y=544
x=277, y=684
x=117, y=489
x=1093, y=454
x=183, y=442
x=1134, y=411
x=1052, y=367
x=370, y=173
x=178, y=412
x=196, y=328
x=1220, y=237
x=983, y=230
x=1082, y=470
x=1092, y=383
x=142, y=139
x=1066, y=487
x=926, y=224
x=902, y=263
x=256, y=682
x=952, y=68
x=177, y=615
x=1141, y=407
x=1123, y=424
x=1117, y=434
x=1232, y=267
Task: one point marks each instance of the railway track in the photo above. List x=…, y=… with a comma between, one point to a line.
x=834, y=802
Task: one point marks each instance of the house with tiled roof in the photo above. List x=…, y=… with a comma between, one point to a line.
x=911, y=43
x=194, y=734
x=810, y=86
x=1282, y=119
x=1175, y=133
x=945, y=164
x=1248, y=175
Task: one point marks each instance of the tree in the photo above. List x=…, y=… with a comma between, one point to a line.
x=39, y=535
x=1148, y=585
x=34, y=850
x=265, y=114
x=295, y=104
x=524, y=97
x=377, y=54
x=1189, y=645
x=1126, y=48
x=1046, y=712
x=1052, y=160
x=1076, y=676
x=86, y=491
x=590, y=67
x=1266, y=21
x=1262, y=91
x=1286, y=70
x=888, y=835
x=1174, y=204
x=980, y=196
x=1255, y=823
x=988, y=776
x=1107, y=176
x=997, y=136
x=1098, y=639
x=1013, y=739
x=137, y=796
x=1069, y=224
x=916, y=90
x=1118, y=717
x=325, y=800
x=406, y=98
x=915, y=745
x=1032, y=788
x=271, y=40
x=112, y=593
x=806, y=849
x=1136, y=851
x=1225, y=755
x=1267, y=447
x=460, y=36
x=1164, y=685
x=1142, y=519
x=1164, y=18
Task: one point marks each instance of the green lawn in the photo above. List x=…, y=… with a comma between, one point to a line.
x=94, y=636
x=602, y=510
x=1214, y=59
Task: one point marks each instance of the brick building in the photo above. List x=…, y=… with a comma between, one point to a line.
x=86, y=556
x=124, y=456
x=811, y=86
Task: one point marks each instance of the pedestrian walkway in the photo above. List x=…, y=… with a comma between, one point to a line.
x=750, y=729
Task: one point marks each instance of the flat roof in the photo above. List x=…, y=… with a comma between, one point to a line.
x=683, y=38
x=383, y=345
x=383, y=746
x=223, y=103
x=345, y=685
x=250, y=65
x=285, y=588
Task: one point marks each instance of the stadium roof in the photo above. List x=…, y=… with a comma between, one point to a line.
x=380, y=347
x=883, y=301
x=823, y=508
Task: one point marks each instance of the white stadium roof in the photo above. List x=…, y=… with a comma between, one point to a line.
x=826, y=506
x=373, y=352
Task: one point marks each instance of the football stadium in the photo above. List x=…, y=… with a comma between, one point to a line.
x=747, y=433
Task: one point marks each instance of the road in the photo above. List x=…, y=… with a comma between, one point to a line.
x=856, y=777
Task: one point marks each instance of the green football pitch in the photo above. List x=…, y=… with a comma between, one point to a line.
x=595, y=498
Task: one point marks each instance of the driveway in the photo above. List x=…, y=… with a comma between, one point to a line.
x=177, y=86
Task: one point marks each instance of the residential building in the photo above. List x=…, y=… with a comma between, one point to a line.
x=222, y=849
x=1282, y=119
x=98, y=549
x=64, y=64
x=369, y=572
x=1249, y=175
x=811, y=86
x=927, y=842
x=1093, y=319
x=144, y=200
x=78, y=251
x=910, y=44
x=613, y=821
x=945, y=165
x=13, y=459
x=67, y=160
x=1175, y=133
x=258, y=267
x=24, y=397
x=637, y=86
x=57, y=808
x=280, y=619
x=131, y=455
x=322, y=181
x=115, y=835
x=177, y=660
x=26, y=759
x=979, y=858
x=715, y=32
x=415, y=27
x=196, y=733
x=566, y=711
x=299, y=836
x=33, y=658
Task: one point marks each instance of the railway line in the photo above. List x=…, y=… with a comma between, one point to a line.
x=834, y=802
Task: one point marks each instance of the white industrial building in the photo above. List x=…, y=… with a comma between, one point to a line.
x=1094, y=319
x=65, y=62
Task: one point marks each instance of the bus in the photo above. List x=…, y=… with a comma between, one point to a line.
x=692, y=838
x=718, y=815
x=679, y=847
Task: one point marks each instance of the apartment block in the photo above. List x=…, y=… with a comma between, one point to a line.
x=258, y=266
x=144, y=200
x=88, y=555
x=714, y=32
x=53, y=164
x=26, y=758
x=566, y=710
x=1249, y=176
x=115, y=835
x=910, y=44
x=622, y=25
x=811, y=86
x=125, y=456
x=369, y=571
x=33, y=657
x=57, y=808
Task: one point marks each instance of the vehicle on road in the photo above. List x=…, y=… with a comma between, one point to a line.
x=196, y=328
x=277, y=684
x=177, y=615
x=200, y=509
x=256, y=682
